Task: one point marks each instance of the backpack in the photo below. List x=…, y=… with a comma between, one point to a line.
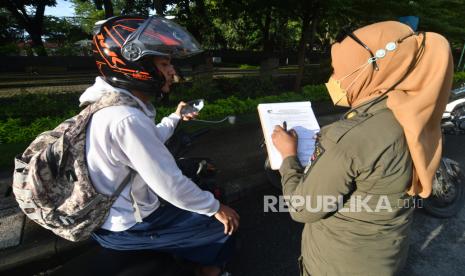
x=51, y=181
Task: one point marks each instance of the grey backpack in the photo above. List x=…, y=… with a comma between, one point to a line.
x=51, y=181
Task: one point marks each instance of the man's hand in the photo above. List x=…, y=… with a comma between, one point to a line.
x=229, y=218
x=185, y=117
x=285, y=141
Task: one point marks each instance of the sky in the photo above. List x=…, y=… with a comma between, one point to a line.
x=63, y=8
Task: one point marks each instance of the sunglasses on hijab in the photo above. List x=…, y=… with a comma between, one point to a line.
x=348, y=31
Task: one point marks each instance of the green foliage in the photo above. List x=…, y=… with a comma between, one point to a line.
x=254, y=24
x=9, y=28
x=10, y=49
x=203, y=88
x=29, y=15
x=459, y=77
x=233, y=105
x=89, y=14
x=248, y=67
x=28, y=107
x=68, y=49
x=248, y=87
x=15, y=131
x=245, y=87
x=63, y=30
x=18, y=130
x=316, y=93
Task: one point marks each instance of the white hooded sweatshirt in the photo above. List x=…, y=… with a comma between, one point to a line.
x=119, y=137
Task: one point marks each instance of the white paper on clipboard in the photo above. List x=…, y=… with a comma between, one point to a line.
x=298, y=116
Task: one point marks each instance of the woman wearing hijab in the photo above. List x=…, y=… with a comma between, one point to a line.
x=366, y=167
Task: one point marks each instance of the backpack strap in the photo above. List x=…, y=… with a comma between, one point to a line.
x=129, y=179
x=124, y=183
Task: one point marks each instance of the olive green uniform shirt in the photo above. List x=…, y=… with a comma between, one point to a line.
x=364, y=161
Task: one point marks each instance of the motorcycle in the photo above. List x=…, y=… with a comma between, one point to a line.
x=453, y=118
x=448, y=194
x=201, y=170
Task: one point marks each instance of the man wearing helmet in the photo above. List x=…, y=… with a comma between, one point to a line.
x=133, y=55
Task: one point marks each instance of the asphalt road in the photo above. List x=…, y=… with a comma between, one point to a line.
x=269, y=243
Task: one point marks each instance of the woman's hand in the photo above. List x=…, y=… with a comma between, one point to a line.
x=185, y=117
x=229, y=218
x=285, y=141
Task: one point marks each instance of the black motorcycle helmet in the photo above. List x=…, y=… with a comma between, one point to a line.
x=124, y=47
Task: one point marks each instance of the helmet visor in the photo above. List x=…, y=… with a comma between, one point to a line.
x=160, y=37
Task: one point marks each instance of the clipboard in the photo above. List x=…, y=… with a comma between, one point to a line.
x=298, y=116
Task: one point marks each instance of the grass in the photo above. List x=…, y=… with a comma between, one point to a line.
x=248, y=67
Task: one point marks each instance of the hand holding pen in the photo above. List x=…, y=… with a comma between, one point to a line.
x=285, y=141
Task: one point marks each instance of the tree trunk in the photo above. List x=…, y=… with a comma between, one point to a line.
x=108, y=6
x=33, y=26
x=313, y=33
x=159, y=7
x=37, y=30
x=37, y=43
x=301, y=54
x=267, y=45
x=203, y=23
x=311, y=13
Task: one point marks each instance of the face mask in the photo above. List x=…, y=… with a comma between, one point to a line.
x=337, y=93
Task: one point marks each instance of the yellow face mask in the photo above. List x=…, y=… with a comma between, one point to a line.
x=337, y=93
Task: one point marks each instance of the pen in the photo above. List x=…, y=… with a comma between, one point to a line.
x=285, y=126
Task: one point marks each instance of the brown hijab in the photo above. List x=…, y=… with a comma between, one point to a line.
x=417, y=102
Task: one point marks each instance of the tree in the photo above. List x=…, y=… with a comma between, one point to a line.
x=140, y=7
x=62, y=30
x=29, y=14
x=105, y=5
x=309, y=12
x=143, y=6
x=197, y=17
x=89, y=13
x=10, y=31
x=266, y=25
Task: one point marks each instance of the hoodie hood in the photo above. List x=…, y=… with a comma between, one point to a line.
x=100, y=87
